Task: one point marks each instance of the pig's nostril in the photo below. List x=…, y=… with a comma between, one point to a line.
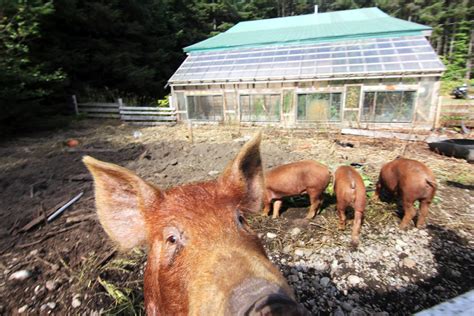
x=260, y=297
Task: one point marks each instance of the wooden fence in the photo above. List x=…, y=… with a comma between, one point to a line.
x=453, y=114
x=135, y=115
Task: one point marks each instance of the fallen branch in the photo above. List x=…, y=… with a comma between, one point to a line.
x=45, y=237
x=90, y=150
x=80, y=218
x=106, y=258
x=64, y=207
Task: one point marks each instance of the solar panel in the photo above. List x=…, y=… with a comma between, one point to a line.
x=339, y=59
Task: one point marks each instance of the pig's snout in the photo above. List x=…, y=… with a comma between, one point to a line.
x=261, y=297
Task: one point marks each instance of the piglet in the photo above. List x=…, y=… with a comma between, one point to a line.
x=350, y=192
x=294, y=179
x=410, y=180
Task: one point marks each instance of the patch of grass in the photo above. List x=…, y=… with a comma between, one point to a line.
x=464, y=178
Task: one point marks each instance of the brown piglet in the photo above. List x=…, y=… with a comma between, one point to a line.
x=295, y=179
x=350, y=192
x=203, y=258
x=409, y=180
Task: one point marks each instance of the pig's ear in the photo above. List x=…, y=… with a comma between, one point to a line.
x=245, y=174
x=122, y=199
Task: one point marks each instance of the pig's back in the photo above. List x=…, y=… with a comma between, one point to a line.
x=295, y=177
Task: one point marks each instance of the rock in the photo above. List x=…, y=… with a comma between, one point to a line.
x=334, y=265
x=409, y=263
x=324, y=281
x=386, y=253
x=293, y=278
x=51, y=285
x=271, y=235
x=76, y=302
x=295, y=232
x=299, y=252
x=381, y=314
x=307, y=252
x=357, y=312
x=213, y=173
x=20, y=275
x=348, y=307
x=338, y=312
x=320, y=265
x=22, y=309
x=287, y=249
x=455, y=273
x=353, y=279
x=401, y=243
x=51, y=305
x=34, y=252
x=38, y=289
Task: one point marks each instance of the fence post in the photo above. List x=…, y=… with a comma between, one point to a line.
x=74, y=102
x=438, y=112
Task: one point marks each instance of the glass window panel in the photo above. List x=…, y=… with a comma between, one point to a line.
x=339, y=62
x=411, y=66
x=387, y=52
x=370, y=52
x=431, y=65
x=354, y=54
x=338, y=55
x=316, y=107
x=307, y=71
x=373, y=60
x=339, y=69
x=279, y=59
x=427, y=57
x=352, y=97
x=323, y=70
x=384, y=45
x=407, y=57
x=405, y=51
x=355, y=61
x=390, y=59
x=392, y=67
x=388, y=106
x=323, y=56
x=260, y=107
x=358, y=68
x=206, y=108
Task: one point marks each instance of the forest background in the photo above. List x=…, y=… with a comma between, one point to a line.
x=102, y=50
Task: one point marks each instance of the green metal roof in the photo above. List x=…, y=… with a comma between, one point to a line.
x=330, y=26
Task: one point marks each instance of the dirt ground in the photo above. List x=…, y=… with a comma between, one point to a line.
x=72, y=268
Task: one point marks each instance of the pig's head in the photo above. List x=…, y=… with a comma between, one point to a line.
x=203, y=259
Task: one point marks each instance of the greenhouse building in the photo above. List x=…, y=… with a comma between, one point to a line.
x=359, y=68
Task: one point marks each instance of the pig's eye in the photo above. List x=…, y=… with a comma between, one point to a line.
x=241, y=222
x=171, y=239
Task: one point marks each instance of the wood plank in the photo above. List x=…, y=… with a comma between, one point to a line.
x=144, y=108
x=152, y=123
x=148, y=118
x=94, y=104
x=146, y=112
x=103, y=115
x=381, y=134
x=101, y=110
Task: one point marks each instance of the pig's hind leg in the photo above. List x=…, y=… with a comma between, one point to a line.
x=341, y=213
x=423, y=213
x=409, y=213
x=315, y=197
x=276, y=208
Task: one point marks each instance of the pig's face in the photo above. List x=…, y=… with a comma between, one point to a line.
x=203, y=258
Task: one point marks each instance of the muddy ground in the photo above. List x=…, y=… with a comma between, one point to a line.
x=72, y=267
